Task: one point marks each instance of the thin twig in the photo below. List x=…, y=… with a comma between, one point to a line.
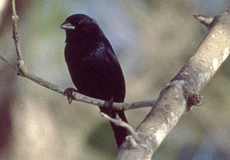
x=118, y=121
x=204, y=19
x=20, y=68
x=76, y=96
x=20, y=62
x=9, y=61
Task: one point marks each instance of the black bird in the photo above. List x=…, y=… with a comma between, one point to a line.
x=93, y=66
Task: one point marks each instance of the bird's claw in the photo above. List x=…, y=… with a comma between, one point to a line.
x=69, y=93
x=110, y=105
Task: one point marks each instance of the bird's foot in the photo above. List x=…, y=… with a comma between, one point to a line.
x=110, y=105
x=69, y=93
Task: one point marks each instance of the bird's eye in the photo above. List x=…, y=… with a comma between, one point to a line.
x=80, y=22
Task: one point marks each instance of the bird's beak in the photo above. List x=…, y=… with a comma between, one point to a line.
x=67, y=26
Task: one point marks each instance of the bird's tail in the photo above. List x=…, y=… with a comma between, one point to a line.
x=119, y=132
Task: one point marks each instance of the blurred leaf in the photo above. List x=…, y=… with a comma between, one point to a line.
x=102, y=139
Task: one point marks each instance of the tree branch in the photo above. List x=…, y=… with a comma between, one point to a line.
x=21, y=70
x=118, y=121
x=76, y=96
x=176, y=97
x=204, y=20
x=181, y=93
x=21, y=64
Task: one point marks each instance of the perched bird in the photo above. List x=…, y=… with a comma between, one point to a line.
x=94, y=67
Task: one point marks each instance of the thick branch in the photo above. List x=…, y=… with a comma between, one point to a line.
x=182, y=92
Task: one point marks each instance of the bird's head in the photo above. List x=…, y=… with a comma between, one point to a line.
x=81, y=26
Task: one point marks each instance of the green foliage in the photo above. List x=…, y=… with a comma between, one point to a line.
x=102, y=139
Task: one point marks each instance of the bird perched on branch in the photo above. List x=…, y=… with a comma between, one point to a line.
x=93, y=66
